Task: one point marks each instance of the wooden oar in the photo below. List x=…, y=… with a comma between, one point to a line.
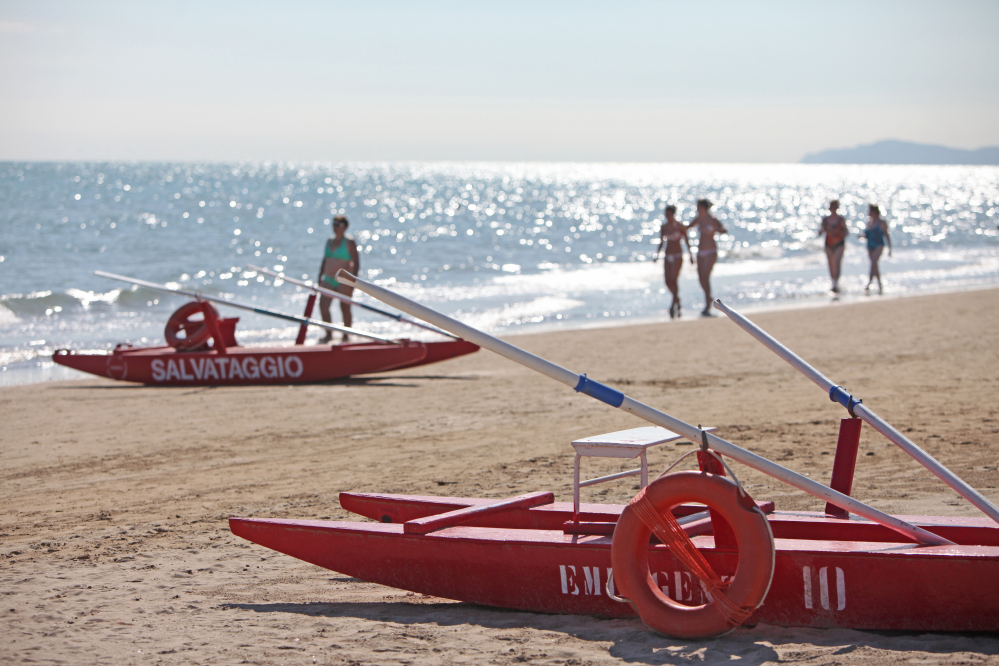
x=859, y=410
x=614, y=398
x=332, y=294
x=270, y=313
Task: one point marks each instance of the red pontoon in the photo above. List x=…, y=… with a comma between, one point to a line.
x=717, y=560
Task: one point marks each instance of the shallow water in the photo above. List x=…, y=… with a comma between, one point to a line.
x=507, y=247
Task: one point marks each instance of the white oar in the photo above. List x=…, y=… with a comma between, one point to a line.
x=614, y=398
x=271, y=313
x=345, y=299
x=857, y=408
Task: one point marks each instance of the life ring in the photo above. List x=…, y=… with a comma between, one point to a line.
x=196, y=332
x=748, y=587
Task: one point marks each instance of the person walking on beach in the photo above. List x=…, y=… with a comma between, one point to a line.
x=670, y=233
x=707, y=250
x=834, y=227
x=341, y=252
x=877, y=236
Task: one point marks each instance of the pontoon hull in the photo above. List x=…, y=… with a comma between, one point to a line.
x=836, y=581
x=165, y=366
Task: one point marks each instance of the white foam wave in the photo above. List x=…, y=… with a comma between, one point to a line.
x=88, y=297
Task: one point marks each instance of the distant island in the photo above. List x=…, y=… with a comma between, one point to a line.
x=904, y=152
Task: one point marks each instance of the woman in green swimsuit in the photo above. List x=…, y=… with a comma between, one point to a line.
x=341, y=252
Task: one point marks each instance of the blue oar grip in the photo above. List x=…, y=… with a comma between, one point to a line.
x=601, y=392
x=839, y=394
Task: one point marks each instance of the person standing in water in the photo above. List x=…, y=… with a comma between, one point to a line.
x=341, y=252
x=670, y=233
x=707, y=250
x=877, y=236
x=834, y=227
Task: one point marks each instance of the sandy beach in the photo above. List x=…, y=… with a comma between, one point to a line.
x=114, y=547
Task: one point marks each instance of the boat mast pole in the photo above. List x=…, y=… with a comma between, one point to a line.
x=271, y=313
x=332, y=294
x=614, y=398
x=858, y=410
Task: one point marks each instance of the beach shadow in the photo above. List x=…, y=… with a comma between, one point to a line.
x=632, y=642
x=346, y=381
x=464, y=378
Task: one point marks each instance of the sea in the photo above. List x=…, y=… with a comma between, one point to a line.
x=507, y=247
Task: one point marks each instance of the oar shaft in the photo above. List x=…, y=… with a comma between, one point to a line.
x=242, y=306
x=857, y=408
x=346, y=299
x=617, y=399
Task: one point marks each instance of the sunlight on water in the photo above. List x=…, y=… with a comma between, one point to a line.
x=508, y=247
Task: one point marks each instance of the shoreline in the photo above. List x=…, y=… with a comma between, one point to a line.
x=806, y=303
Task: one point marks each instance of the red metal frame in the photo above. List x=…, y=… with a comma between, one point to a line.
x=845, y=463
x=304, y=328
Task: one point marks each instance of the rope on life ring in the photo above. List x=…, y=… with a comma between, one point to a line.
x=196, y=332
x=650, y=512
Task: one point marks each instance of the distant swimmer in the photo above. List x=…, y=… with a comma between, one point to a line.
x=670, y=233
x=877, y=236
x=834, y=227
x=707, y=250
x=341, y=252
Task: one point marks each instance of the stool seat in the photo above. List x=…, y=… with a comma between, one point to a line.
x=624, y=443
x=621, y=444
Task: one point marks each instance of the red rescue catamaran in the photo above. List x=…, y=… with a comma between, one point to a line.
x=201, y=350
x=718, y=559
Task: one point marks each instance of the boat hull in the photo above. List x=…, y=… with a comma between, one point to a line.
x=165, y=366
x=836, y=580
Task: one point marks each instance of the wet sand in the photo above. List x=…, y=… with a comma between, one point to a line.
x=114, y=546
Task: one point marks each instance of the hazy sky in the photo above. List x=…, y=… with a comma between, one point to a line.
x=583, y=81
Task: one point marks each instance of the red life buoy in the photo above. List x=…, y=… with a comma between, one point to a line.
x=748, y=587
x=196, y=332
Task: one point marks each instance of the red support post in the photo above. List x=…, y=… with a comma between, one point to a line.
x=845, y=463
x=303, y=329
x=218, y=340
x=720, y=529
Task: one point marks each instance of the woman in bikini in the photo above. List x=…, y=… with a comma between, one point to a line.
x=876, y=234
x=707, y=250
x=834, y=227
x=670, y=233
x=341, y=252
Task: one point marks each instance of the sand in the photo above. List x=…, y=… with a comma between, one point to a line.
x=114, y=546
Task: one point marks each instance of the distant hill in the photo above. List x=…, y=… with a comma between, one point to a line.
x=903, y=152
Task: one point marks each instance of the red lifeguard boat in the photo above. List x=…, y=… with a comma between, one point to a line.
x=202, y=350
x=534, y=554
x=718, y=558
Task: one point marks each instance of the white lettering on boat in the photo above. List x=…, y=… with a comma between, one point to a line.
x=295, y=371
x=591, y=580
x=222, y=368
x=681, y=583
x=824, y=598
x=235, y=369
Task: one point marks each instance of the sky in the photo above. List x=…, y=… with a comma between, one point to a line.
x=710, y=81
